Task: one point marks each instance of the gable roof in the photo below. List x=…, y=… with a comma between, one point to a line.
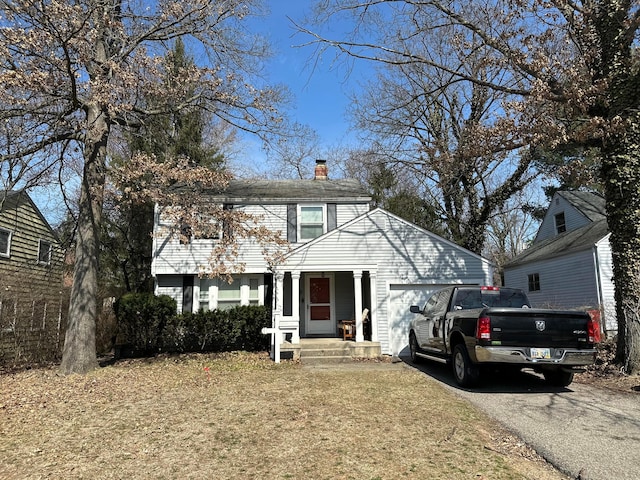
x=22, y=194
x=270, y=191
x=591, y=205
x=568, y=242
x=371, y=214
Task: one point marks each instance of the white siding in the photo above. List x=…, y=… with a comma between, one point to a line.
x=400, y=253
x=347, y=212
x=170, y=285
x=565, y=282
x=172, y=258
x=573, y=218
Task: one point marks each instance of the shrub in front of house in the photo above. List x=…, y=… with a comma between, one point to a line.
x=238, y=328
x=148, y=324
x=141, y=319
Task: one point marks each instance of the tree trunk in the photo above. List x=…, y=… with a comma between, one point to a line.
x=621, y=163
x=79, y=353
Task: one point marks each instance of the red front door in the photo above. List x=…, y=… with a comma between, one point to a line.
x=320, y=317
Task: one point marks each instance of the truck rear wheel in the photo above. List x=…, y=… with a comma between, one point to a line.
x=465, y=373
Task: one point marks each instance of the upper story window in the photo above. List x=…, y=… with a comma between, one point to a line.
x=5, y=242
x=534, y=282
x=561, y=225
x=44, y=252
x=312, y=222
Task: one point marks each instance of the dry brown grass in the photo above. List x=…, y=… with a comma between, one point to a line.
x=242, y=416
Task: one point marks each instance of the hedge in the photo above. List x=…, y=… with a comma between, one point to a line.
x=148, y=325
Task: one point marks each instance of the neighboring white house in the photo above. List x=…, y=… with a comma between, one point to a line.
x=569, y=263
x=344, y=258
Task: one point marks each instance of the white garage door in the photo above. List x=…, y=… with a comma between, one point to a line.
x=401, y=297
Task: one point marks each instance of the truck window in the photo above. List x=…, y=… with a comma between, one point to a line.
x=511, y=298
x=467, y=299
x=431, y=303
x=442, y=302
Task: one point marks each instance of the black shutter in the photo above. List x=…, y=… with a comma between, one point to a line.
x=292, y=222
x=187, y=294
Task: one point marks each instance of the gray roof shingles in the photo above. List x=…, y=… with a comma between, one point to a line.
x=269, y=191
x=592, y=205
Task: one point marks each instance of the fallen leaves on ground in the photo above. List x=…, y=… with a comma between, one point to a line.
x=240, y=415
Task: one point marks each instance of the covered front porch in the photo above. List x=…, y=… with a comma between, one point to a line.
x=313, y=304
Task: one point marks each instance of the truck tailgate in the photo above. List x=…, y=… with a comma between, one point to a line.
x=538, y=328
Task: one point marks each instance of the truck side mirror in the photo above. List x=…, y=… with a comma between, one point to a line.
x=415, y=309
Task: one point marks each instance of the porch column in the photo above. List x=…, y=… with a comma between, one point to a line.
x=278, y=301
x=373, y=313
x=278, y=298
x=357, y=289
x=295, y=305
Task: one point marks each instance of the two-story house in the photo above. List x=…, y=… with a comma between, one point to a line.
x=31, y=289
x=569, y=263
x=344, y=258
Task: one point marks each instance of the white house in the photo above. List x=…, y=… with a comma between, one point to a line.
x=569, y=263
x=344, y=258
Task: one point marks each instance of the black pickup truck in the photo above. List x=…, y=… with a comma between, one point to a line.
x=474, y=328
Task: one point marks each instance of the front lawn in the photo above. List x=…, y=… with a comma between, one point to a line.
x=239, y=415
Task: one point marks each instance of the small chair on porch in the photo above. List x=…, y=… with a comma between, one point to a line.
x=348, y=329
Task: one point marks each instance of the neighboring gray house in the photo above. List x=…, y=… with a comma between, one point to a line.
x=344, y=258
x=569, y=263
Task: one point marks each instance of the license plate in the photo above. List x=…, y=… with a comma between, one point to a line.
x=540, y=353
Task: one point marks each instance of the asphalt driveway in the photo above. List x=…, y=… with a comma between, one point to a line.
x=586, y=432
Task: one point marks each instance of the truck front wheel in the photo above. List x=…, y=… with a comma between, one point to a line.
x=413, y=348
x=465, y=373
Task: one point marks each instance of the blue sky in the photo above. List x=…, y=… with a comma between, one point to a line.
x=321, y=89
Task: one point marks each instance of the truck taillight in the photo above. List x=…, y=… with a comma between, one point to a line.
x=483, y=328
x=593, y=331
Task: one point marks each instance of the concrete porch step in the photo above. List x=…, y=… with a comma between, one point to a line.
x=325, y=352
x=330, y=350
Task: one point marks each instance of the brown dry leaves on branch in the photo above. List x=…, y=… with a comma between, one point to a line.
x=242, y=416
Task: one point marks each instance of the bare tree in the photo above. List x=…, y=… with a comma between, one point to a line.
x=294, y=155
x=509, y=232
x=444, y=132
x=569, y=70
x=73, y=74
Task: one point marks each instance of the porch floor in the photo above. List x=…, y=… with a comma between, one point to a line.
x=329, y=350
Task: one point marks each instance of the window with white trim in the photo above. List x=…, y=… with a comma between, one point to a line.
x=203, y=299
x=44, y=252
x=5, y=242
x=312, y=222
x=254, y=291
x=244, y=290
x=228, y=294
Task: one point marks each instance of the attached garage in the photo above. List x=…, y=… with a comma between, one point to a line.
x=401, y=297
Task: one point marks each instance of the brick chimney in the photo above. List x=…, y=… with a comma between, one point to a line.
x=321, y=170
